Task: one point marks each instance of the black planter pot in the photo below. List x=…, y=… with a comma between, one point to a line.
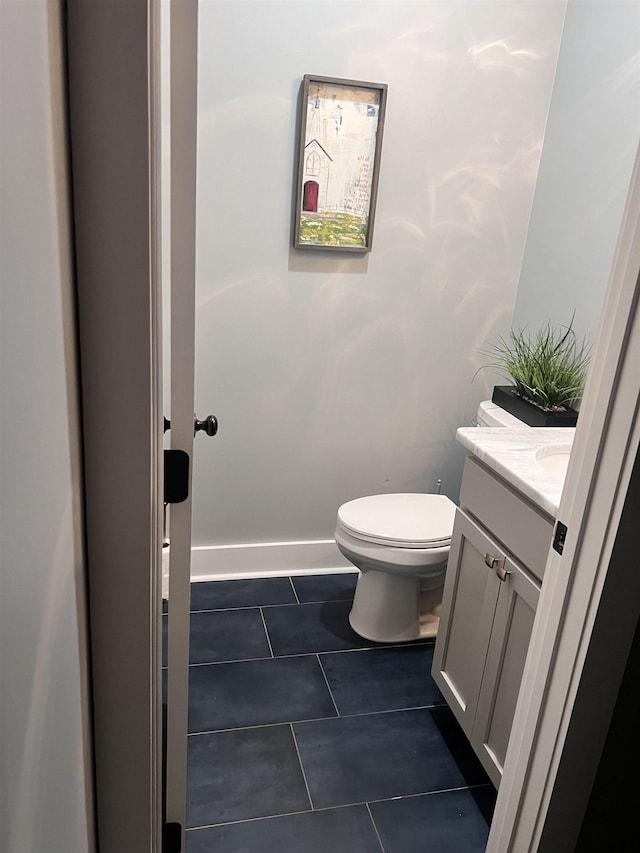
x=505, y=397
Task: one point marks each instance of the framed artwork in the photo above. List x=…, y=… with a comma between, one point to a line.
x=338, y=163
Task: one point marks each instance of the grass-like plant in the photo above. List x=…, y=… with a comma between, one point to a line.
x=548, y=369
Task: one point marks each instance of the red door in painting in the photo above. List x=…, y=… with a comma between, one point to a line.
x=310, y=197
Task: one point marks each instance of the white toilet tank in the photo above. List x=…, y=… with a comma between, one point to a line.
x=491, y=415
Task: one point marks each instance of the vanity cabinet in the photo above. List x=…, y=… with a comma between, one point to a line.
x=489, y=603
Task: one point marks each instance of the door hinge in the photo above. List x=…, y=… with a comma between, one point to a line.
x=176, y=476
x=171, y=838
x=559, y=536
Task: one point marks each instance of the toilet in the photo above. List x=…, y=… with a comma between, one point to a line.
x=400, y=543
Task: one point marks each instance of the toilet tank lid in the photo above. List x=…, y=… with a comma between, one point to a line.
x=403, y=520
x=492, y=415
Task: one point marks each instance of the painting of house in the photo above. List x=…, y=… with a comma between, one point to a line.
x=339, y=156
x=317, y=165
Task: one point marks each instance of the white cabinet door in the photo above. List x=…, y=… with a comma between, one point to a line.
x=469, y=602
x=488, y=608
x=508, y=645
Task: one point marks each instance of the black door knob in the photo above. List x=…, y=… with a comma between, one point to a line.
x=209, y=425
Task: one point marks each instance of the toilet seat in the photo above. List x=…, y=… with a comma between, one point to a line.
x=400, y=520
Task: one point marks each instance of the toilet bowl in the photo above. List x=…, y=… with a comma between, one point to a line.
x=400, y=543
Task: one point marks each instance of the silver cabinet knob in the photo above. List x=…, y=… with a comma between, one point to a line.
x=502, y=573
x=498, y=565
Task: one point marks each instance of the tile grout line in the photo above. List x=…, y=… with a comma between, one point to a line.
x=293, y=587
x=264, y=625
x=365, y=803
x=375, y=828
x=256, y=726
x=281, y=604
x=426, y=793
x=226, y=662
x=277, y=657
x=304, y=775
x=243, y=607
x=270, y=817
x=299, y=654
x=250, y=820
x=314, y=719
x=326, y=681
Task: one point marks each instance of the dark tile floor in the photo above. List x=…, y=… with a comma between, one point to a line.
x=305, y=738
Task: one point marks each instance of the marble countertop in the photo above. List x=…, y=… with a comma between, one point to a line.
x=512, y=455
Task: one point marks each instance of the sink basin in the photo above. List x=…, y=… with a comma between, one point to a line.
x=554, y=458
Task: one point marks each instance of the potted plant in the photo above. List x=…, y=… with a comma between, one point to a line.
x=547, y=371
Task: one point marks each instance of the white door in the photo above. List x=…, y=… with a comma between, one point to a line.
x=113, y=71
x=183, y=109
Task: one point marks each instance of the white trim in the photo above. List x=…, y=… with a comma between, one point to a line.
x=155, y=425
x=274, y=573
x=604, y=451
x=183, y=110
x=264, y=560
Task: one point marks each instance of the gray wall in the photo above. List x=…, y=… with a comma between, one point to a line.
x=335, y=377
x=589, y=149
x=44, y=765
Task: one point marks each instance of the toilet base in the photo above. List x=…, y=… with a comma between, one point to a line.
x=393, y=608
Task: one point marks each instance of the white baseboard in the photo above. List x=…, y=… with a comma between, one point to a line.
x=264, y=560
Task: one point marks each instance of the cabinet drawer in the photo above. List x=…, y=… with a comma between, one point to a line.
x=522, y=529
